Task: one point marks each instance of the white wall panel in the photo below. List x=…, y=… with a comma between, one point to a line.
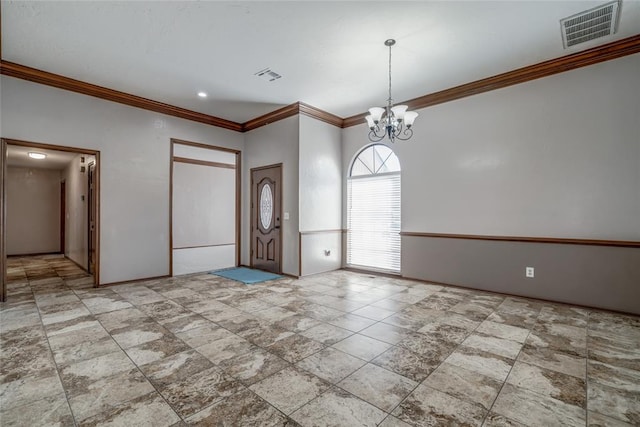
x=320, y=175
x=207, y=154
x=204, y=205
x=195, y=260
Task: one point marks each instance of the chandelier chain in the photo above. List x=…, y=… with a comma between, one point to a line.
x=390, y=100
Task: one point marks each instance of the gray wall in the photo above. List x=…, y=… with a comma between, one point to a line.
x=555, y=157
x=33, y=211
x=596, y=276
x=134, y=179
x=275, y=143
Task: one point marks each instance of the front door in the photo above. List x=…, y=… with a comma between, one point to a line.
x=266, y=237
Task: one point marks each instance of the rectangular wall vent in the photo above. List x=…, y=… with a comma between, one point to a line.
x=591, y=24
x=268, y=75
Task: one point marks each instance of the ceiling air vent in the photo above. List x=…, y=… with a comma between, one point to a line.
x=268, y=75
x=591, y=24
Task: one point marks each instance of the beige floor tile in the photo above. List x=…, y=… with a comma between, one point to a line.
x=563, y=387
x=295, y=347
x=244, y=408
x=99, y=396
x=46, y=412
x=406, y=363
x=534, y=409
x=336, y=407
x=363, y=347
x=331, y=365
x=253, y=366
x=481, y=362
x=290, y=389
x=614, y=402
x=380, y=387
x=559, y=361
x=429, y=407
x=149, y=410
x=464, y=384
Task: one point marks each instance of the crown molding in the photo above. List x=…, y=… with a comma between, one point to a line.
x=319, y=114
x=55, y=80
x=274, y=116
x=606, y=52
x=292, y=110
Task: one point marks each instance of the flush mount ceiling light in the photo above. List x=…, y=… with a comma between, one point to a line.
x=202, y=94
x=38, y=156
x=393, y=122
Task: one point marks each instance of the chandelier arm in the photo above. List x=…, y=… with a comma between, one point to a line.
x=405, y=135
x=374, y=137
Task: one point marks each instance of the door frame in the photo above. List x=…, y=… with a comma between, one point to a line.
x=92, y=213
x=3, y=222
x=238, y=153
x=3, y=201
x=63, y=216
x=253, y=218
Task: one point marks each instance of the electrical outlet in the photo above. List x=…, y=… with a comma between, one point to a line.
x=528, y=271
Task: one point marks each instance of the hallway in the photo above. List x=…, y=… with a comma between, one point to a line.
x=28, y=274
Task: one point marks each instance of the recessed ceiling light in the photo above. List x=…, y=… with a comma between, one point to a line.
x=35, y=155
x=202, y=94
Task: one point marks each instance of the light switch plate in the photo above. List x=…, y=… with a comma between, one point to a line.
x=286, y=216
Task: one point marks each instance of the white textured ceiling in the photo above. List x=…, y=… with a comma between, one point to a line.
x=331, y=54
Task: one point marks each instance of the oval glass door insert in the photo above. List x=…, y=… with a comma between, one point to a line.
x=266, y=206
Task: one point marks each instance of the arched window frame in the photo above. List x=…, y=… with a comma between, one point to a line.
x=383, y=160
x=371, y=244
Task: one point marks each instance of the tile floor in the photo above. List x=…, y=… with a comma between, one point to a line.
x=337, y=349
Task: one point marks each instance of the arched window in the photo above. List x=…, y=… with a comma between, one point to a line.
x=373, y=210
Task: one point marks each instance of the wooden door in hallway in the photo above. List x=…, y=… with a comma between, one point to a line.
x=266, y=206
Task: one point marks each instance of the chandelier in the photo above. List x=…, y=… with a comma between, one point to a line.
x=393, y=122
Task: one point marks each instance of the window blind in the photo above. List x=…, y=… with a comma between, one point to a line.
x=373, y=222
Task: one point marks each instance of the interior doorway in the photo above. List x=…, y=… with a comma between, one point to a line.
x=50, y=206
x=266, y=207
x=204, y=207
